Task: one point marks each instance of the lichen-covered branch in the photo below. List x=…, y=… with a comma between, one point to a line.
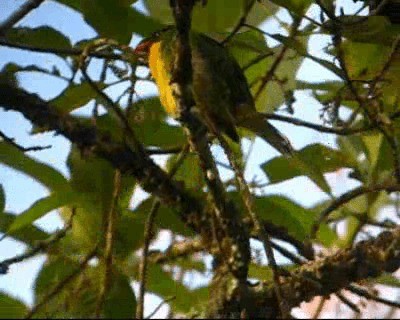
x=325, y=276
x=234, y=239
x=151, y=177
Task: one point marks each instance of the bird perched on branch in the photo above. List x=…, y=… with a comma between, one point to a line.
x=220, y=89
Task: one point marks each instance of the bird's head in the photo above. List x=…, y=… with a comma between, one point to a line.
x=142, y=50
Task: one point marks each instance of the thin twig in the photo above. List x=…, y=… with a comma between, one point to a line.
x=248, y=200
x=18, y=15
x=60, y=51
x=160, y=305
x=40, y=247
x=240, y=23
x=348, y=196
x=19, y=147
x=110, y=224
x=364, y=293
x=61, y=285
x=319, y=308
x=347, y=302
x=236, y=243
x=317, y=127
x=111, y=105
x=275, y=64
x=164, y=151
x=148, y=236
x=177, y=250
x=330, y=14
x=286, y=253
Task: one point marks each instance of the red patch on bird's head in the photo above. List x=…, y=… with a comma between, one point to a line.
x=143, y=48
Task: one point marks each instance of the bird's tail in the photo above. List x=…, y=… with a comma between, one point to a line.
x=258, y=125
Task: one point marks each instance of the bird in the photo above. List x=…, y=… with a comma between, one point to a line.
x=220, y=89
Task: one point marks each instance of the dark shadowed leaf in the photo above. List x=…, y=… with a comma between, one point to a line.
x=75, y=96
x=216, y=16
x=11, y=308
x=120, y=301
x=42, y=37
x=114, y=19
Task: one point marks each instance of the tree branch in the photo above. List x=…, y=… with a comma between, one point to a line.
x=366, y=259
x=19, y=14
x=234, y=240
x=151, y=177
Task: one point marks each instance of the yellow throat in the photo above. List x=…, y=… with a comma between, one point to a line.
x=162, y=78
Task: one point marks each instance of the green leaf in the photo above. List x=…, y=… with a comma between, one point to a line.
x=388, y=280
x=260, y=272
x=29, y=235
x=41, y=207
x=41, y=172
x=53, y=271
x=14, y=68
x=216, y=16
x=271, y=94
x=372, y=29
x=247, y=46
x=262, y=10
x=110, y=18
x=384, y=164
x=325, y=85
x=94, y=179
x=75, y=96
x=80, y=297
x=114, y=19
x=120, y=301
x=365, y=61
x=189, y=172
x=296, y=6
x=296, y=219
x=42, y=37
x=162, y=283
x=148, y=120
x=264, y=272
x=11, y=308
x=300, y=47
x=312, y=161
x=365, y=152
x=166, y=218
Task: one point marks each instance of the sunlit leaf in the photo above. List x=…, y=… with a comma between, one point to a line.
x=312, y=161
x=29, y=235
x=41, y=172
x=42, y=207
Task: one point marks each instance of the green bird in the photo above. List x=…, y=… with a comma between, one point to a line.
x=220, y=89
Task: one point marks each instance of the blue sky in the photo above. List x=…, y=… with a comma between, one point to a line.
x=21, y=191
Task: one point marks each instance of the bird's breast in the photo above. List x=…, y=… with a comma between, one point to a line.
x=162, y=78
